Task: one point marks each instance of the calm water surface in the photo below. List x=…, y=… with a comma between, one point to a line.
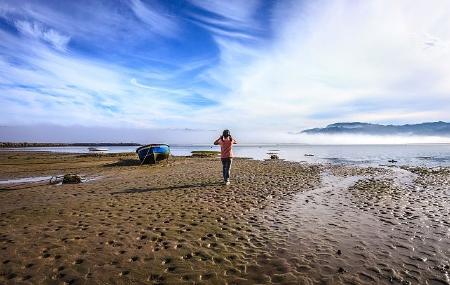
x=431, y=155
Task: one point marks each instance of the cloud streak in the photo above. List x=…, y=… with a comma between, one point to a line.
x=157, y=21
x=38, y=31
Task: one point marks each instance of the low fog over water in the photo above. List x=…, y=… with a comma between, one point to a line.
x=74, y=134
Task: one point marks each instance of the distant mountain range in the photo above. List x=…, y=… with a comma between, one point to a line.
x=423, y=129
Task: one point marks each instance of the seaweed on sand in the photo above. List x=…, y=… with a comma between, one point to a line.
x=205, y=153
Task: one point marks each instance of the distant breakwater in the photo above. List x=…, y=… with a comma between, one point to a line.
x=28, y=144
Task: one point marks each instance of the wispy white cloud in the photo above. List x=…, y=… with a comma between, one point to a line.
x=232, y=20
x=38, y=31
x=157, y=20
x=89, y=22
x=134, y=82
x=96, y=23
x=233, y=14
x=235, y=30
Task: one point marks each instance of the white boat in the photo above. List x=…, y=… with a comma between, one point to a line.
x=97, y=149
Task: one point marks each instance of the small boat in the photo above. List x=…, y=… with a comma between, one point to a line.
x=152, y=153
x=97, y=149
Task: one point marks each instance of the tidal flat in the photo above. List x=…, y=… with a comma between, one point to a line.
x=278, y=222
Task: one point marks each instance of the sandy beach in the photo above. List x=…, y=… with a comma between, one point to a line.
x=175, y=223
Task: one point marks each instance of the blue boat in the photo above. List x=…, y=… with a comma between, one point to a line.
x=152, y=153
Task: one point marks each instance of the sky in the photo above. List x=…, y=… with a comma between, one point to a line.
x=189, y=69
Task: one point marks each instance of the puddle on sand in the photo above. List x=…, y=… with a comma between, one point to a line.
x=43, y=179
x=401, y=177
x=26, y=180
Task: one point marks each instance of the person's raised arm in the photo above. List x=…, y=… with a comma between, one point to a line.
x=233, y=140
x=217, y=141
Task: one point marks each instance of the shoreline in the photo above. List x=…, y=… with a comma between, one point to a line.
x=28, y=144
x=193, y=155
x=428, y=156
x=279, y=222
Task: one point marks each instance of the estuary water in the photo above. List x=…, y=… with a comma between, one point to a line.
x=430, y=155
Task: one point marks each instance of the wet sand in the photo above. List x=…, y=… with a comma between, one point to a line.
x=175, y=223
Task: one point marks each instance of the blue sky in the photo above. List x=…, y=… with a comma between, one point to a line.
x=253, y=66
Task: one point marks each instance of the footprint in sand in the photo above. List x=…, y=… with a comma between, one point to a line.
x=133, y=259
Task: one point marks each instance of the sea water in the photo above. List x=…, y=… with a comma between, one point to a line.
x=430, y=155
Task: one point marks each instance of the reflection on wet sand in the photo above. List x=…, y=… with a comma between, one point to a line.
x=279, y=222
x=374, y=226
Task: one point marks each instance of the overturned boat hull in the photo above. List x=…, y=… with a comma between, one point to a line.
x=152, y=153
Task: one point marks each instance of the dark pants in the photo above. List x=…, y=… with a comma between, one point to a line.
x=226, y=163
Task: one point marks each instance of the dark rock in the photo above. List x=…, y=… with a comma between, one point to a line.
x=71, y=179
x=274, y=156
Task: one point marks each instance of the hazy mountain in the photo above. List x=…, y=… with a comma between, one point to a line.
x=423, y=129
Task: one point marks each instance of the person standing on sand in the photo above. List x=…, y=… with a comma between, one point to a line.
x=226, y=153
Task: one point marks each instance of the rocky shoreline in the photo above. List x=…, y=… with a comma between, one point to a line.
x=28, y=144
x=278, y=222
